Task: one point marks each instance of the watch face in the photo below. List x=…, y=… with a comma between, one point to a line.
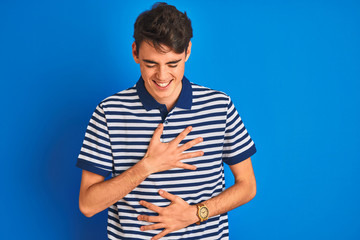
x=204, y=212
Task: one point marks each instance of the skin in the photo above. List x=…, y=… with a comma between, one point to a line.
x=97, y=194
x=180, y=214
x=161, y=68
x=165, y=69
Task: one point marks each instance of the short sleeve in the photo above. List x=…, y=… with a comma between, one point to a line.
x=96, y=155
x=238, y=144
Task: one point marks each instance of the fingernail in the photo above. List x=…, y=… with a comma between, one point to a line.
x=161, y=191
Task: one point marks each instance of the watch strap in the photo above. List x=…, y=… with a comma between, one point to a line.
x=199, y=206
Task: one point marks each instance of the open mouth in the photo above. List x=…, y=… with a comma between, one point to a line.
x=162, y=85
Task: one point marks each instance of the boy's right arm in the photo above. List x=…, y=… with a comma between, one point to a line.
x=97, y=194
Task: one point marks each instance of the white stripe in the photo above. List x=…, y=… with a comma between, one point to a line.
x=83, y=149
x=230, y=155
x=91, y=160
x=100, y=141
x=207, y=178
x=96, y=132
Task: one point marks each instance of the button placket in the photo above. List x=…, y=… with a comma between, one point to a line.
x=166, y=121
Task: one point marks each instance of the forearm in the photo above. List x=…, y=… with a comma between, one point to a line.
x=243, y=190
x=238, y=194
x=180, y=214
x=101, y=195
x=97, y=194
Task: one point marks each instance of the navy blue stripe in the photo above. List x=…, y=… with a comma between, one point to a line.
x=194, y=132
x=238, y=147
x=134, y=143
x=156, y=179
x=124, y=119
x=138, y=121
x=127, y=128
x=208, y=195
x=243, y=156
x=101, y=114
x=207, y=101
x=174, y=184
x=97, y=143
x=97, y=150
x=124, y=150
x=127, y=157
x=97, y=120
x=237, y=130
x=123, y=113
x=228, y=144
x=232, y=122
x=91, y=167
x=212, y=107
x=97, y=129
x=95, y=157
x=129, y=135
x=130, y=107
x=147, y=143
x=194, y=125
x=197, y=117
x=120, y=101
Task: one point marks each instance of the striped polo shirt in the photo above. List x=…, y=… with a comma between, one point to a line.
x=118, y=136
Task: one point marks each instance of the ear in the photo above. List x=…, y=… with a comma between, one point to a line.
x=135, y=53
x=188, y=51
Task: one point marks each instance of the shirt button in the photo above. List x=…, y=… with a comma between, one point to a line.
x=166, y=122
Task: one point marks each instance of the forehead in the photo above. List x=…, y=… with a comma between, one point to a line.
x=149, y=52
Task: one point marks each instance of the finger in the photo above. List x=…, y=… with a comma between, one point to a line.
x=145, y=218
x=182, y=135
x=150, y=206
x=191, y=155
x=152, y=226
x=168, y=196
x=160, y=235
x=185, y=166
x=190, y=144
x=158, y=131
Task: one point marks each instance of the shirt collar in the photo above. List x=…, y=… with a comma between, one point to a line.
x=184, y=101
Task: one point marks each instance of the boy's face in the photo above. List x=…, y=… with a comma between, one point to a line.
x=162, y=72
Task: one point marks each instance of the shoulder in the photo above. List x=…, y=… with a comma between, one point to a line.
x=127, y=97
x=201, y=93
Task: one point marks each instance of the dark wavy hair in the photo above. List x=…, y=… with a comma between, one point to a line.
x=163, y=24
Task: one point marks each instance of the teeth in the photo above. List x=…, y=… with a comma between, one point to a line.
x=163, y=84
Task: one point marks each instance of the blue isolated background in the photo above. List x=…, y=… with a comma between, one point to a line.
x=292, y=69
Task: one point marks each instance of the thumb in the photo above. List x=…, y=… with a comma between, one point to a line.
x=158, y=131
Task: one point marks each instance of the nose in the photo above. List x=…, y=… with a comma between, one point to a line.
x=162, y=74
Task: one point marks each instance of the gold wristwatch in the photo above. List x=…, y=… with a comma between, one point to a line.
x=203, y=213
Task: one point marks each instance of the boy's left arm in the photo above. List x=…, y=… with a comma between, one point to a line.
x=180, y=214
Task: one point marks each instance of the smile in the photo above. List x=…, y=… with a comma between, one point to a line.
x=162, y=85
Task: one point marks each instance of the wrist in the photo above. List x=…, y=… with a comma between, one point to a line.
x=194, y=214
x=203, y=213
x=145, y=167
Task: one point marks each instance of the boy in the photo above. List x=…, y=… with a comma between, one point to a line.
x=164, y=141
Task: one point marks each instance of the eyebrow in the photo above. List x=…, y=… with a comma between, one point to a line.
x=152, y=62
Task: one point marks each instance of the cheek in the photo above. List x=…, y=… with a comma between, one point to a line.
x=179, y=72
x=146, y=72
